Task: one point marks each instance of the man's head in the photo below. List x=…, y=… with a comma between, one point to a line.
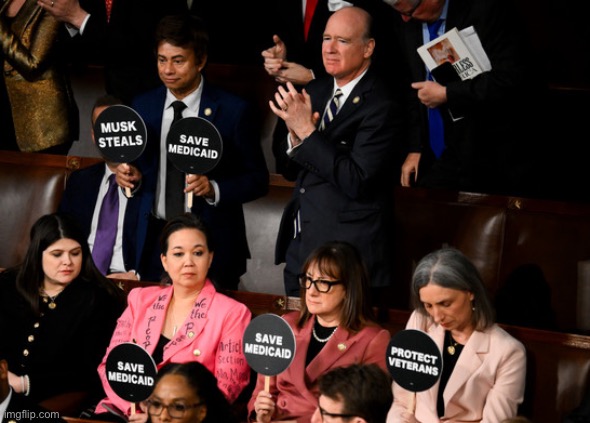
x=181, y=47
x=360, y=393
x=420, y=10
x=100, y=105
x=347, y=46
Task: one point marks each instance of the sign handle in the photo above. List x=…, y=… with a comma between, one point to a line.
x=412, y=404
x=189, y=198
x=266, y=383
x=132, y=408
x=128, y=192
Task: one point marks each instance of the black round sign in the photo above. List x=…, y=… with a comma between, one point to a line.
x=269, y=344
x=120, y=134
x=131, y=372
x=194, y=145
x=414, y=360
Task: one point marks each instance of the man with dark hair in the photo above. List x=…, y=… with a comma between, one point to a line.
x=241, y=174
x=360, y=393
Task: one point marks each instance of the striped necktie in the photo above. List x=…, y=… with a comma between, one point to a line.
x=332, y=109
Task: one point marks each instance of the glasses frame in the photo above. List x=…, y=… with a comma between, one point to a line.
x=325, y=413
x=149, y=404
x=306, y=282
x=410, y=13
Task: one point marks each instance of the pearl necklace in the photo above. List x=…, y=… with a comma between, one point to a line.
x=322, y=340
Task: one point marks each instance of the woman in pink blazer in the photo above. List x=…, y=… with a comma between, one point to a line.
x=484, y=367
x=334, y=328
x=187, y=320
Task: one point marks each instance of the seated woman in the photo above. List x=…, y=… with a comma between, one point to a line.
x=185, y=320
x=187, y=392
x=483, y=374
x=334, y=328
x=57, y=313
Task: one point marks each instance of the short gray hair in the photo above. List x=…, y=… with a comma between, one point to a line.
x=450, y=268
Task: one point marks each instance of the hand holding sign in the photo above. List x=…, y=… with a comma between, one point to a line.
x=414, y=360
x=194, y=146
x=131, y=372
x=120, y=135
x=269, y=345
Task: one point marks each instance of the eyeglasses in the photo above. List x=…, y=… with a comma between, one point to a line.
x=321, y=285
x=325, y=414
x=411, y=12
x=175, y=410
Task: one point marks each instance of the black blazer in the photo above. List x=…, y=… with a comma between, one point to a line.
x=343, y=176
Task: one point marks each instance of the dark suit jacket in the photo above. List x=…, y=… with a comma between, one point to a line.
x=343, y=177
x=488, y=149
x=125, y=44
x=79, y=200
x=22, y=410
x=241, y=174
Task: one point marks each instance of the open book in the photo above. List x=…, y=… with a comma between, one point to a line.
x=455, y=56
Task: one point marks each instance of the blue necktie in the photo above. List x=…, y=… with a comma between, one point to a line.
x=436, y=129
x=331, y=110
x=106, y=231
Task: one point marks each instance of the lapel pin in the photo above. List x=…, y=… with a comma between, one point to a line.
x=208, y=111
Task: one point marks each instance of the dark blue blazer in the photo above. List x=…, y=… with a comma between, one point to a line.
x=241, y=174
x=79, y=200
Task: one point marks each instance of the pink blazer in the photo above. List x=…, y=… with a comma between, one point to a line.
x=486, y=385
x=211, y=334
x=295, y=390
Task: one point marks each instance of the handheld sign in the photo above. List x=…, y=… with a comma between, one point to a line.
x=269, y=345
x=131, y=372
x=414, y=360
x=194, y=146
x=120, y=135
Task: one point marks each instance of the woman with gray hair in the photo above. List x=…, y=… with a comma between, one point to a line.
x=483, y=376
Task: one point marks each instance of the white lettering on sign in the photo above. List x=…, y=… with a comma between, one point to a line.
x=123, y=141
x=269, y=339
x=413, y=360
x=189, y=139
x=185, y=150
x=124, y=126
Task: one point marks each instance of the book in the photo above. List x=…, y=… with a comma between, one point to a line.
x=455, y=56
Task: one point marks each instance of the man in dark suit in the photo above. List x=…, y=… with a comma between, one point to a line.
x=82, y=199
x=241, y=174
x=343, y=184
x=16, y=407
x=121, y=39
x=492, y=143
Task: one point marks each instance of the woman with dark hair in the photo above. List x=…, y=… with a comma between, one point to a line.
x=57, y=312
x=335, y=327
x=187, y=393
x=483, y=374
x=184, y=320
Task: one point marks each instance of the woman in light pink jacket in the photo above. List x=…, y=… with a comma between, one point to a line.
x=483, y=376
x=187, y=320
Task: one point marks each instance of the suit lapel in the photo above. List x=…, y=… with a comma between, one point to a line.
x=469, y=361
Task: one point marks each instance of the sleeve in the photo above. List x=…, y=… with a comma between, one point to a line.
x=377, y=349
x=508, y=389
x=231, y=368
x=123, y=333
x=248, y=180
x=30, y=61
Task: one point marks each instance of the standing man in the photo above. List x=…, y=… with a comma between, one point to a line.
x=342, y=134
x=117, y=34
x=491, y=144
x=86, y=191
x=241, y=174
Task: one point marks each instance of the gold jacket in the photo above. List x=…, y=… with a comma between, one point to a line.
x=43, y=106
